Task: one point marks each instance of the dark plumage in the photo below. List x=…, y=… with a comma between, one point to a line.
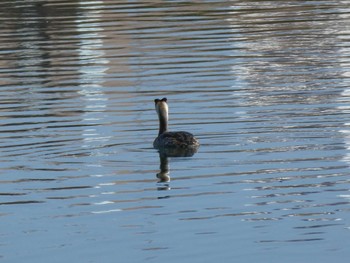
x=168, y=139
x=175, y=139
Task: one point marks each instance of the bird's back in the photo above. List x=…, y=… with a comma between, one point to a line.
x=179, y=139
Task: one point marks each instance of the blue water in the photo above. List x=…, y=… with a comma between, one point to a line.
x=264, y=86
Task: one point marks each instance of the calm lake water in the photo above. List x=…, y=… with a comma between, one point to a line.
x=264, y=85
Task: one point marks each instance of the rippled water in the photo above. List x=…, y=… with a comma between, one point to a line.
x=264, y=85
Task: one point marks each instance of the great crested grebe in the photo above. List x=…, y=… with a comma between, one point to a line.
x=168, y=139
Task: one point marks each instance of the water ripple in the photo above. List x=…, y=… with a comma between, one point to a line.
x=262, y=84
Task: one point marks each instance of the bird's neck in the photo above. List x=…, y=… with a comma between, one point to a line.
x=163, y=121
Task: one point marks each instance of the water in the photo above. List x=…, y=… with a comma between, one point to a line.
x=264, y=85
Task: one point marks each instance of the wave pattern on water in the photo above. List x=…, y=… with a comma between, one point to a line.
x=264, y=85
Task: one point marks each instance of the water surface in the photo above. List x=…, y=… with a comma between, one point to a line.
x=264, y=85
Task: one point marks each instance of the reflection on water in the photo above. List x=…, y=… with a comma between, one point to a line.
x=164, y=173
x=264, y=85
x=92, y=75
x=165, y=154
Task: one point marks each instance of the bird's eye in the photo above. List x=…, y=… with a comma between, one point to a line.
x=164, y=99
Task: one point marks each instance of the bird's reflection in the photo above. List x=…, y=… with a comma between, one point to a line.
x=164, y=154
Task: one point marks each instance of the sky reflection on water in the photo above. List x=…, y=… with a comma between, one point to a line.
x=263, y=85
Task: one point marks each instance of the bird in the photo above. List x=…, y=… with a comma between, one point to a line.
x=167, y=140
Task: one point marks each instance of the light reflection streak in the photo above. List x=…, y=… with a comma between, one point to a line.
x=93, y=67
x=345, y=95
